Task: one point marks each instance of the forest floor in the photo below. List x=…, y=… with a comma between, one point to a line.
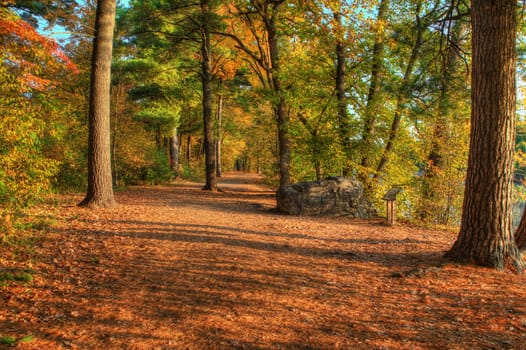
x=174, y=267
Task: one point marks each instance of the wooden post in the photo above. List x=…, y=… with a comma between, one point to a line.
x=390, y=198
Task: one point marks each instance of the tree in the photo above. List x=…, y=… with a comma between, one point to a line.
x=403, y=90
x=262, y=19
x=443, y=171
x=341, y=88
x=485, y=236
x=373, y=94
x=31, y=66
x=100, y=190
x=206, y=77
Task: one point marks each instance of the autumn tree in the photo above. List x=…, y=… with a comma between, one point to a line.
x=310, y=64
x=100, y=190
x=206, y=78
x=373, y=102
x=261, y=43
x=443, y=169
x=402, y=93
x=485, y=236
x=341, y=85
x=30, y=68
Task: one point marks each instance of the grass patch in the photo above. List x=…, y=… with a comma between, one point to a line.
x=40, y=223
x=27, y=339
x=7, y=340
x=22, y=276
x=12, y=341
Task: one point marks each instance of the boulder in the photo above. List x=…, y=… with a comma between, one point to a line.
x=334, y=196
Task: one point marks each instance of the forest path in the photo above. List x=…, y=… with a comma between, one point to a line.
x=174, y=267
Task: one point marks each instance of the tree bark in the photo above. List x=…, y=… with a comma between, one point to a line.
x=100, y=190
x=208, y=121
x=282, y=116
x=485, y=236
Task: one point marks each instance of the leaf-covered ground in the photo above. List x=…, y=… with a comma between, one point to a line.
x=173, y=267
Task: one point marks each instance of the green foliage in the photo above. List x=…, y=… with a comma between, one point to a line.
x=158, y=170
x=25, y=171
x=27, y=339
x=38, y=223
x=12, y=341
x=7, y=340
x=153, y=169
x=192, y=172
x=16, y=277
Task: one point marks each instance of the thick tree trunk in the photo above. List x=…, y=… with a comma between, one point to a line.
x=284, y=142
x=208, y=121
x=100, y=190
x=372, y=103
x=485, y=233
x=282, y=116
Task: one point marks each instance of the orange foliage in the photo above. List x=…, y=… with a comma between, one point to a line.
x=30, y=53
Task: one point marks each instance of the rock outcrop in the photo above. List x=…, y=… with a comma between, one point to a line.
x=334, y=196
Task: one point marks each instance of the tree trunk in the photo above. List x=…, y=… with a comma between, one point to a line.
x=371, y=109
x=393, y=134
x=174, y=152
x=520, y=233
x=343, y=115
x=317, y=168
x=282, y=116
x=218, y=136
x=208, y=121
x=100, y=190
x=485, y=233
x=188, y=149
x=267, y=59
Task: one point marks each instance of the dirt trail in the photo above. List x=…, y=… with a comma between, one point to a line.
x=174, y=267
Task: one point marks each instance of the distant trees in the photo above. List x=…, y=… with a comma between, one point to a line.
x=297, y=90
